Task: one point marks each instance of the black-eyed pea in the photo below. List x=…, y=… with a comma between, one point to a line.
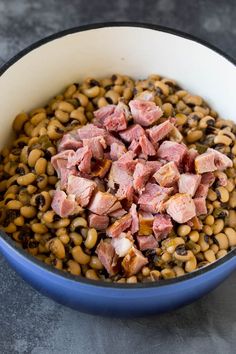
x=183, y=230
x=145, y=271
x=222, y=241
x=166, y=257
x=65, y=239
x=95, y=263
x=11, y=180
x=61, y=231
x=209, y=220
x=26, y=179
x=194, y=136
x=92, y=92
x=181, y=254
x=232, y=199
x=203, y=243
x=192, y=100
x=33, y=157
x=42, y=181
x=33, y=247
x=73, y=267
x=163, y=87
x=3, y=185
x=76, y=238
x=79, y=255
x=102, y=102
x=78, y=222
x=210, y=255
x=231, y=235
x=19, y=122
x=206, y=121
x=79, y=116
x=62, y=223
x=112, y=97
x=208, y=230
x=65, y=106
x=218, y=226
x=14, y=204
x=230, y=185
x=56, y=247
x=70, y=91
x=127, y=93
x=31, y=189
x=119, y=89
x=92, y=275
x=28, y=211
x=222, y=139
x=55, y=130
x=172, y=244
x=52, y=180
x=194, y=236
x=191, y=265
x=10, y=228
x=223, y=194
x=155, y=275
x=83, y=100
x=43, y=201
x=57, y=263
x=132, y=280
x=40, y=166
x=91, y=238
x=181, y=119
x=214, y=248
x=62, y=116
x=167, y=273
x=38, y=117
x=195, y=248
x=39, y=228
x=12, y=189
x=221, y=253
x=48, y=216
x=50, y=169
x=212, y=196
x=167, y=109
x=19, y=221
x=179, y=271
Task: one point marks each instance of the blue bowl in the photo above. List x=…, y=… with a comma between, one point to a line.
x=31, y=80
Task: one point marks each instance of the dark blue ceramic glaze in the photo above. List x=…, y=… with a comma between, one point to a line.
x=127, y=300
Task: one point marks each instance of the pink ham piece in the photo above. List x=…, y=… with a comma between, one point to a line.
x=135, y=147
x=189, y=159
x=89, y=131
x=122, y=244
x=63, y=155
x=64, y=172
x=195, y=223
x=172, y=151
x=107, y=256
x=162, y=226
x=208, y=178
x=99, y=222
x=133, y=262
x=134, y=132
x=81, y=188
x=101, y=203
x=221, y=160
x=181, y=207
x=125, y=192
x=159, y=132
x=153, y=198
x=69, y=141
x=116, y=121
x=202, y=191
x=146, y=146
x=154, y=165
x=145, y=223
x=96, y=145
x=212, y=160
x=200, y=204
x=119, y=226
x=145, y=113
x=188, y=183
x=118, y=213
x=117, y=151
x=167, y=175
x=135, y=221
x=141, y=175
x=102, y=113
x=147, y=242
x=81, y=159
x=110, y=139
x=62, y=204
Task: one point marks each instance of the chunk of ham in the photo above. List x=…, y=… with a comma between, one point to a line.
x=133, y=262
x=195, y=223
x=135, y=221
x=212, y=160
x=208, y=178
x=101, y=203
x=82, y=159
x=154, y=165
x=99, y=222
x=188, y=183
x=162, y=226
x=221, y=160
x=134, y=132
x=200, y=205
x=96, y=145
x=172, y=151
x=116, y=121
x=141, y=175
x=135, y=147
x=145, y=113
x=62, y=204
x=159, y=132
x=145, y=223
x=110, y=139
x=118, y=213
x=181, y=207
x=117, y=151
x=189, y=160
x=81, y=188
x=125, y=192
x=167, y=175
x=102, y=113
x=119, y=226
x=107, y=256
x=147, y=242
x=89, y=131
x=201, y=191
x=153, y=198
x=69, y=141
x=64, y=172
x=101, y=168
x=122, y=244
x=63, y=155
x=146, y=146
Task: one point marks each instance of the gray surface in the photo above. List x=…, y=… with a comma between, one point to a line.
x=31, y=323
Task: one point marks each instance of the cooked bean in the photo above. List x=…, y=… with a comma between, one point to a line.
x=95, y=263
x=167, y=273
x=221, y=253
x=194, y=236
x=19, y=121
x=91, y=239
x=232, y=200
x=231, y=235
x=183, y=256
x=79, y=255
x=222, y=139
x=28, y=211
x=56, y=247
x=183, y=230
x=194, y=136
x=209, y=220
x=78, y=222
x=223, y=194
x=19, y=221
x=210, y=255
x=178, y=271
x=191, y=265
x=92, y=92
x=39, y=228
x=222, y=241
x=208, y=230
x=38, y=117
x=218, y=226
x=10, y=228
x=65, y=239
x=131, y=280
x=166, y=257
x=26, y=179
x=40, y=166
x=33, y=157
x=14, y=204
x=202, y=243
x=76, y=238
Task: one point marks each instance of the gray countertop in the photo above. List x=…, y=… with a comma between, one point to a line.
x=30, y=322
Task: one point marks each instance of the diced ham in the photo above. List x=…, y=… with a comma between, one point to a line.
x=107, y=256
x=162, y=226
x=145, y=113
x=89, y=131
x=125, y=192
x=122, y=244
x=195, y=223
x=116, y=206
x=141, y=175
x=133, y=262
x=119, y=226
x=172, y=151
x=135, y=147
x=64, y=172
x=116, y=121
x=99, y=222
x=101, y=168
x=188, y=183
x=205, y=162
x=135, y=221
x=146, y=146
x=110, y=139
x=102, y=113
x=62, y=204
x=208, y=178
x=118, y=213
x=102, y=202
x=167, y=175
x=147, y=242
x=145, y=223
x=126, y=162
x=200, y=204
x=81, y=158
x=189, y=159
x=159, y=132
x=81, y=188
x=221, y=160
x=117, y=151
x=63, y=155
x=69, y=141
x=134, y=132
x=96, y=145
x=154, y=165
x=202, y=191
x=153, y=198
x=181, y=207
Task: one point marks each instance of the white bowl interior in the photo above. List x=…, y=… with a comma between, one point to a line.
x=138, y=52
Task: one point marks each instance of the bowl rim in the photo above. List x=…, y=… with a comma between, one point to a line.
x=80, y=279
